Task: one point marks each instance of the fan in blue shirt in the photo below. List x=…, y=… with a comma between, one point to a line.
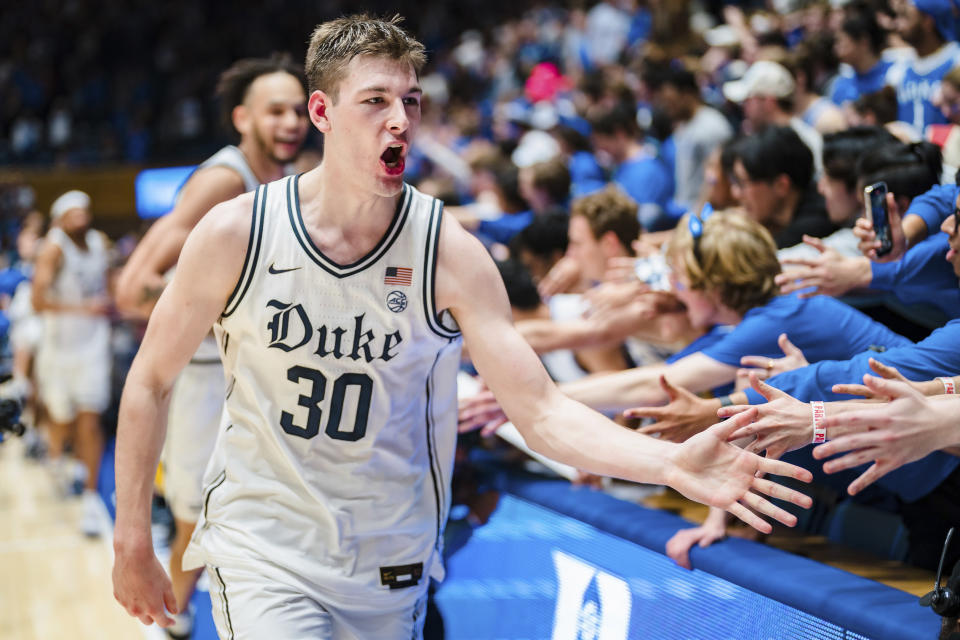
x=859, y=47
x=734, y=286
x=639, y=172
x=930, y=27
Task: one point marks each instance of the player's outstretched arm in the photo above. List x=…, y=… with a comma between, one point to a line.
x=143, y=277
x=640, y=387
x=705, y=468
x=183, y=316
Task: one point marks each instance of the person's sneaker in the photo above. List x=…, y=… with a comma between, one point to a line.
x=182, y=625
x=91, y=518
x=35, y=446
x=79, y=480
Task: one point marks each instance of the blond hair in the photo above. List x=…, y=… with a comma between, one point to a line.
x=735, y=257
x=610, y=209
x=335, y=43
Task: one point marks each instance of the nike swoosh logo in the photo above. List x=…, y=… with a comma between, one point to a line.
x=272, y=269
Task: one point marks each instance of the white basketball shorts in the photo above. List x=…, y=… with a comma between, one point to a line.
x=69, y=384
x=196, y=406
x=251, y=604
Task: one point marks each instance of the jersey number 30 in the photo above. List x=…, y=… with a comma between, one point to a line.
x=312, y=403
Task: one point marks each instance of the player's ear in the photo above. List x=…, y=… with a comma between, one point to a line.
x=240, y=116
x=317, y=106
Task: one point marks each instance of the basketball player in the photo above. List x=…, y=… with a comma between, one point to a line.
x=340, y=296
x=263, y=100
x=73, y=360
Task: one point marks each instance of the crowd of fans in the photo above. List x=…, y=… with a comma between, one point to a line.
x=674, y=193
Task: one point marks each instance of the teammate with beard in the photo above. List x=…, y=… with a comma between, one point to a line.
x=263, y=100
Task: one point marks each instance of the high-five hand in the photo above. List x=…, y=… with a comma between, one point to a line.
x=783, y=424
x=687, y=414
x=710, y=470
x=891, y=435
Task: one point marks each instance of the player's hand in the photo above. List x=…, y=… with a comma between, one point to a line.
x=882, y=370
x=142, y=587
x=710, y=470
x=764, y=368
x=783, y=423
x=869, y=244
x=562, y=277
x=890, y=435
x=678, y=547
x=481, y=411
x=831, y=273
x=686, y=415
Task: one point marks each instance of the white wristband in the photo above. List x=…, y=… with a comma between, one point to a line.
x=948, y=386
x=819, y=431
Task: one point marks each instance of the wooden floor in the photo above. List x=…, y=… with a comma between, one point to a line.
x=54, y=582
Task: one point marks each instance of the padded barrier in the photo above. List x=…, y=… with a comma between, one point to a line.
x=860, y=605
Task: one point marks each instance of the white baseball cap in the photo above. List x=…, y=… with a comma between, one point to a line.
x=763, y=78
x=70, y=200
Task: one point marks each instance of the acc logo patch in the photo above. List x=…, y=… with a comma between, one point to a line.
x=396, y=301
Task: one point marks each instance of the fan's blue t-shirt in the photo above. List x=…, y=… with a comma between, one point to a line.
x=935, y=205
x=649, y=182
x=715, y=334
x=586, y=175
x=936, y=355
x=917, y=81
x=502, y=229
x=922, y=276
x=822, y=327
x=850, y=85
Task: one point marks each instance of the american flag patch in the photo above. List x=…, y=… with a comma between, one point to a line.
x=402, y=276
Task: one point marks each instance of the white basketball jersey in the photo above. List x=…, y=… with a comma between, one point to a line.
x=231, y=157
x=341, y=408
x=82, y=277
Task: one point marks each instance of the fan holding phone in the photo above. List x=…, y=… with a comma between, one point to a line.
x=881, y=235
x=875, y=200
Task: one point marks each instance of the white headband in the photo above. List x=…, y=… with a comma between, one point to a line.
x=70, y=200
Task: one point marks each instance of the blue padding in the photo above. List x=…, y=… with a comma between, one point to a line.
x=854, y=603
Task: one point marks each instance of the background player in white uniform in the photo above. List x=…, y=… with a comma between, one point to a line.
x=264, y=102
x=26, y=330
x=324, y=520
x=73, y=361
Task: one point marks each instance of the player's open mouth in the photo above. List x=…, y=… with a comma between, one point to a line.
x=393, y=160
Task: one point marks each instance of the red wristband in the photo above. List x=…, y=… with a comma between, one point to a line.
x=819, y=431
x=948, y=386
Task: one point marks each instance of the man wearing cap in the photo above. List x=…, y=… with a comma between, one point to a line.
x=930, y=27
x=73, y=361
x=766, y=93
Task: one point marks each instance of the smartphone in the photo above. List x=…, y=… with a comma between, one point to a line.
x=875, y=199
